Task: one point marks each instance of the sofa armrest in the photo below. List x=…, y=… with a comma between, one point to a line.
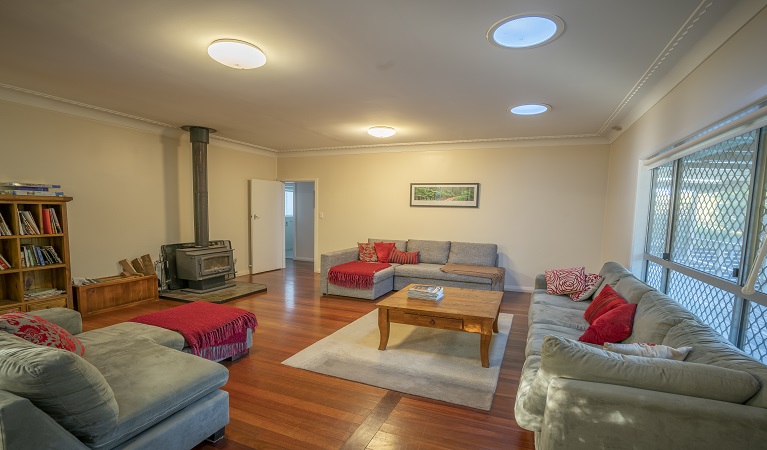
x=540, y=281
x=328, y=260
x=66, y=318
x=24, y=426
x=586, y=415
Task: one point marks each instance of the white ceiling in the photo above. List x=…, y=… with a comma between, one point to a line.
x=337, y=67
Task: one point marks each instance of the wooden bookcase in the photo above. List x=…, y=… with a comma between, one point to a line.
x=17, y=281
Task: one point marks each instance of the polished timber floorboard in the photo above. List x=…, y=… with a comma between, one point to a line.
x=274, y=406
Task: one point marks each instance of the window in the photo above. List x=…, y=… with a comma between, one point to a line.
x=707, y=217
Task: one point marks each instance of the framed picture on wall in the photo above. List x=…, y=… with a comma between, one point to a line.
x=460, y=195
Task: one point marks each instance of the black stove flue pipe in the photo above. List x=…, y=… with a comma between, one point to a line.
x=199, y=137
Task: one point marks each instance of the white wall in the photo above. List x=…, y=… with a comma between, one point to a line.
x=543, y=206
x=304, y=246
x=132, y=189
x=732, y=78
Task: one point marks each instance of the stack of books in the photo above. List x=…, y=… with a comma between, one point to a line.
x=15, y=188
x=4, y=264
x=426, y=292
x=27, y=224
x=33, y=255
x=42, y=293
x=4, y=230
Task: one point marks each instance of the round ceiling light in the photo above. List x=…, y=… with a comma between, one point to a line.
x=381, y=132
x=236, y=54
x=526, y=30
x=530, y=110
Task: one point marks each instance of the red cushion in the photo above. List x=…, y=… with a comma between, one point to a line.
x=40, y=331
x=400, y=257
x=383, y=250
x=613, y=326
x=606, y=300
x=367, y=252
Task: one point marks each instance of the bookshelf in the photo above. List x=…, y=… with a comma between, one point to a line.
x=39, y=262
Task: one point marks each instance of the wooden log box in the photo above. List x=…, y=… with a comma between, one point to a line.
x=115, y=292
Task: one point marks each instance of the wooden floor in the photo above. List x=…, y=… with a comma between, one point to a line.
x=274, y=406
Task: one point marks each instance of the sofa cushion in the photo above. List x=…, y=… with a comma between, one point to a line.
x=565, y=358
x=39, y=331
x=129, y=330
x=612, y=273
x=539, y=331
x=592, y=282
x=473, y=254
x=565, y=281
x=367, y=252
x=433, y=272
x=656, y=314
x=612, y=326
x=556, y=315
x=631, y=289
x=606, y=300
x=432, y=252
x=400, y=257
x=150, y=383
x=521, y=416
x=649, y=350
x=540, y=297
x=383, y=250
x=400, y=244
x=62, y=384
x=708, y=347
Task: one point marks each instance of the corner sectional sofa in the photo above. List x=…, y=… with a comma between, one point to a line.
x=132, y=389
x=578, y=396
x=433, y=255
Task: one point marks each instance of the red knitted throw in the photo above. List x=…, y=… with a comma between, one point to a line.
x=355, y=274
x=212, y=331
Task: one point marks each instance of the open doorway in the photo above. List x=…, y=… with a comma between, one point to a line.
x=299, y=220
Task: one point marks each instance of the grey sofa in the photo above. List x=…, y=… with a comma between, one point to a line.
x=433, y=255
x=133, y=389
x=579, y=396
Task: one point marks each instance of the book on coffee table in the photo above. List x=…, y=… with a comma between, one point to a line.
x=426, y=292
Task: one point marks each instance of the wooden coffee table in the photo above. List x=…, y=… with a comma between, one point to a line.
x=460, y=309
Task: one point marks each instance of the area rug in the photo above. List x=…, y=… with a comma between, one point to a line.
x=233, y=291
x=439, y=364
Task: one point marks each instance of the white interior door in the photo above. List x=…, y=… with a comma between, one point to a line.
x=267, y=225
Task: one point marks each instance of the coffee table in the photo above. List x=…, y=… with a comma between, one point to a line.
x=468, y=310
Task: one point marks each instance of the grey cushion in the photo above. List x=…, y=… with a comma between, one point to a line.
x=432, y=252
x=631, y=289
x=62, y=384
x=473, y=254
x=401, y=245
x=612, y=273
x=562, y=301
x=130, y=330
x=708, y=347
x=538, y=331
x=565, y=358
x=433, y=272
x=521, y=416
x=557, y=315
x=656, y=314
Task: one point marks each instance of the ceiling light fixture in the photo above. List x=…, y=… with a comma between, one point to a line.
x=381, y=132
x=526, y=30
x=236, y=54
x=530, y=110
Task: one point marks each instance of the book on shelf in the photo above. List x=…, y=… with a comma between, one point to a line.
x=47, y=228
x=42, y=293
x=29, y=186
x=426, y=292
x=55, y=225
x=4, y=264
x=27, y=224
x=22, y=192
x=4, y=230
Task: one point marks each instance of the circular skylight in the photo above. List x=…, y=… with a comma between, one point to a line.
x=529, y=110
x=236, y=54
x=526, y=30
x=381, y=132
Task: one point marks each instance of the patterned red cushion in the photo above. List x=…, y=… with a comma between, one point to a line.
x=367, y=252
x=565, y=281
x=592, y=283
x=40, y=331
x=606, y=300
x=612, y=326
x=383, y=250
x=400, y=257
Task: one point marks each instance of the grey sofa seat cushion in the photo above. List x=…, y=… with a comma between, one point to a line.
x=473, y=254
x=431, y=252
x=400, y=244
x=656, y=314
x=129, y=330
x=540, y=297
x=178, y=380
x=565, y=358
x=556, y=315
x=708, y=347
x=523, y=418
x=538, y=331
x=433, y=272
x=66, y=318
x=62, y=384
x=631, y=289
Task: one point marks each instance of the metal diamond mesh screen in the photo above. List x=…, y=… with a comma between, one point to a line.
x=660, y=209
x=712, y=202
x=654, y=275
x=755, y=339
x=712, y=305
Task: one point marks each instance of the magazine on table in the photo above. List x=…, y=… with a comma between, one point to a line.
x=426, y=292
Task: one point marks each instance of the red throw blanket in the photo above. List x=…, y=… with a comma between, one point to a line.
x=355, y=274
x=206, y=327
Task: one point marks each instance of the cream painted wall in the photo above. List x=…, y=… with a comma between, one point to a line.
x=734, y=77
x=542, y=205
x=132, y=189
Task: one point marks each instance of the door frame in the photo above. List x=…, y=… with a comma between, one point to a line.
x=316, y=182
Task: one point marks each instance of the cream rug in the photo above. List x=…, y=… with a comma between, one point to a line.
x=439, y=364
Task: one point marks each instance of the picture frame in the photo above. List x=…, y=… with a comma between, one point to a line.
x=451, y=195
